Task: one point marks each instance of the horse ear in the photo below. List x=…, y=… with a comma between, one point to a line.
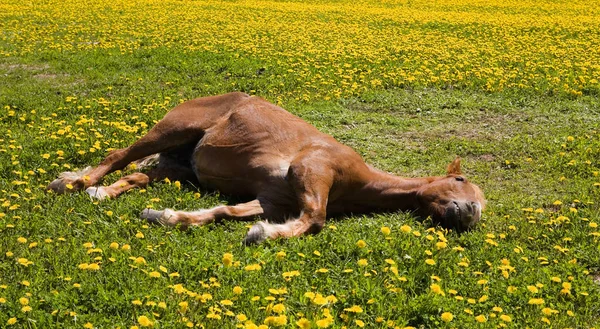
x=454, y=167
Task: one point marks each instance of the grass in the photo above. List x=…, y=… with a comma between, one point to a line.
x=532, y=262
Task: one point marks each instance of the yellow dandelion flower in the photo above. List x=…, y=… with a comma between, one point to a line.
x=480, y=318
x=183, y=306
x=11, y=321
x=447, y=316
x=253, y=267
x=93, y=267
x=362, y=262
x=227, y=259
x=405, y=229
x=324, y=323
x=278, y=308
x=144, y=321
x=430, y=261
x=436, y=289
x=303, y=323
x=354, y=309
x=386, y=230
x=154, y=274
x=319, y=300
x=361, y=244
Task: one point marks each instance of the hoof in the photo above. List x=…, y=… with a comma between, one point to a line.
x=152, y=216
x=58, y=186
x=256, y=235
x=98, y=193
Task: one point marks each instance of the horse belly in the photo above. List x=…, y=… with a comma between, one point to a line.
x=237, y=169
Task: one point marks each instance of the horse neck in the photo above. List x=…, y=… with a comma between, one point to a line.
x=387, y=191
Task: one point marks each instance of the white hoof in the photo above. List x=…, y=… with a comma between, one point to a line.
x=257, y=234
x=158, y=216
x=97, y=192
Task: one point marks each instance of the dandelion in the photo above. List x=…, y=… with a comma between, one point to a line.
x=253, y=267
x=139, y=260
x=436, y=289
x=405, y=229
x=93, y=267
x=430, y=261
x=362, y=262
x=354, y=309
x=154, y=274
x=237, y=290
x=480, y=318
x=278, y=308
x=324, y=323
x=227, y=259
x=361, y=243
x=536, y=301
x=319, y=300
x=183, y=306
x=11, y=321
x=303, y=323
x=144, y=321
x=447, y=316
x=386, y=230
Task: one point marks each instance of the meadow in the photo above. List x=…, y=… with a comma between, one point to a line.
x=510, y=86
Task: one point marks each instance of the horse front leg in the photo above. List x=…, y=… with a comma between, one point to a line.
x=312, y=186
x=169, y=217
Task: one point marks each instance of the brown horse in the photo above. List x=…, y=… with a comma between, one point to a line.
x=294, y=174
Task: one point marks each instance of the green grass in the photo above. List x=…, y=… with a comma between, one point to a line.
x=524, y=149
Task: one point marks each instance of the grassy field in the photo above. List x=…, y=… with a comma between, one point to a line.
x=510, y=86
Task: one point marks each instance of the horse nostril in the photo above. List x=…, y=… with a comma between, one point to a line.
x=469, y=206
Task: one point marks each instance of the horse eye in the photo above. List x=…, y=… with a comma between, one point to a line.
x=460, y=179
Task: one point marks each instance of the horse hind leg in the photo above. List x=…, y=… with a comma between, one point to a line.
x=173, y=165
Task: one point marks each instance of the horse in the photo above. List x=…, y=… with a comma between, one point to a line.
x=293, y=175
